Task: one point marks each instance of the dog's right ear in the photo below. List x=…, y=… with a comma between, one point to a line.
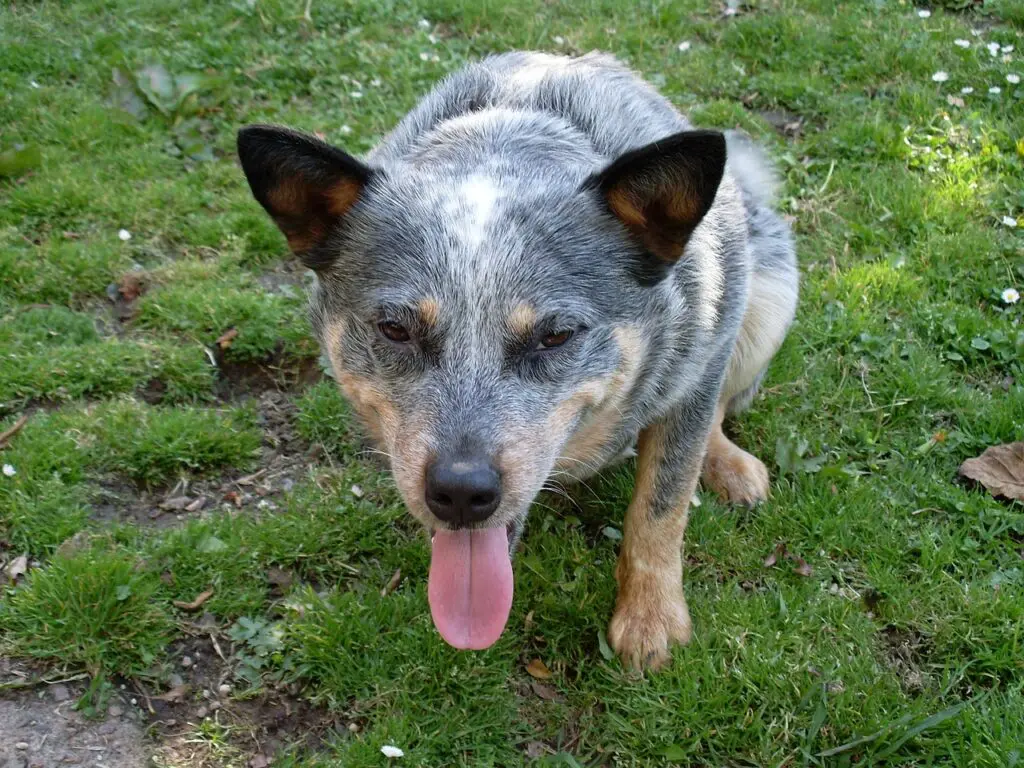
x=661, y=192
x=305, y=184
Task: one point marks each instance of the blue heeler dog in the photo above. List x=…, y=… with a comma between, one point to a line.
x=541, y=267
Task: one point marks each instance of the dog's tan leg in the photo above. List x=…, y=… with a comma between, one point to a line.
x=732, y=473
x=650, y=610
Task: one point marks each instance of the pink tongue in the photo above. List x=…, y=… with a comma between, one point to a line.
x=470, y=586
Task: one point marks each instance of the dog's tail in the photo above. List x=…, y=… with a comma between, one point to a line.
x=751, y=168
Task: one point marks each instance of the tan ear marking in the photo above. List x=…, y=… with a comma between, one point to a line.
x=342, y=196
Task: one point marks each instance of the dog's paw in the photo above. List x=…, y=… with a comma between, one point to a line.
x=736, y=476
x=650, y=616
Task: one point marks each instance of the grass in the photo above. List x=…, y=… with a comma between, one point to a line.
x=902, y=647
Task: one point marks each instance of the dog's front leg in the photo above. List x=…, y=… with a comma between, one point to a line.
x=650, y=610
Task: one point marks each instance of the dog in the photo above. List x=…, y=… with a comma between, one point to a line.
x=543, y=266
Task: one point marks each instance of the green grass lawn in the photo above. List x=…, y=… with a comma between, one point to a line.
x=903, y=646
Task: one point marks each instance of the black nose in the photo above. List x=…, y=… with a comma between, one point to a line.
x=462, y=490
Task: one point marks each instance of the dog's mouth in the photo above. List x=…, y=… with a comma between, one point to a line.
x=470, y=584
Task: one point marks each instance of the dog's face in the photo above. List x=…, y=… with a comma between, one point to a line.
x=477, y=317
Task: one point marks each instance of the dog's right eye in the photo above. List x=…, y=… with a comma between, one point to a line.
x=394, y=332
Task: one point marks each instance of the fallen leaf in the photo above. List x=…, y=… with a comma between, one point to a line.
x=392, y=584
x=259, y=761
x=177, y=693
x=545, y=692
x=15, y=428
x=802, y=568
x=17, y=568
x=196, y=505
x=176, y=504
x=539, y=670
x=602, y=645
x=955, y=101
x=773, y=558
x=528, y=622
x=234, y=498
x=201, y=598
x=1000, y=469
x=225, y=339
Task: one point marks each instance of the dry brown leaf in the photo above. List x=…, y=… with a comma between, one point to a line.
x=1000, y=469
x=15, y=428
x=546, y=692
x=392, y=584
x=539, y=670
x=225, y=339
x=802, y=568
x=17, y=568
x=201, y=598
x=177, y=693
x=773, y=558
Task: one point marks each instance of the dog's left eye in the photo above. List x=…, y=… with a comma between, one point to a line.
x=395, y=332
x=554, y=340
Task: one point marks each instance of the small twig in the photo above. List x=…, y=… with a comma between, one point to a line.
x=15, y=428
x=142, y=692
x=216, y=647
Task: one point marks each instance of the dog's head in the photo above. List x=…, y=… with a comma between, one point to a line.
x=483, y=312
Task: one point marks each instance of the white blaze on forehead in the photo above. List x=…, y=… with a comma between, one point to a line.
x=478, y=195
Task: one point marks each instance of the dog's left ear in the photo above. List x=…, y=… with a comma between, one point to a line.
x=662, y=191
x=306, y=185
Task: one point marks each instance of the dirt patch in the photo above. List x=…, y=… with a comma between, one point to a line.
x=904, y=651
x=39, y=729
x=255, y=727
x=284, y=459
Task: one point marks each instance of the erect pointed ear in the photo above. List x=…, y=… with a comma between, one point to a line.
x=305, y=184
x=662, y=191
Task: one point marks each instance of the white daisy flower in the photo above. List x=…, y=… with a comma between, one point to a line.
x=376, y=83
x=966, y=89
x=1009, y=221
x=940, y=76
x=1006, y=49
x=1013, y=78
x=684, y=46
x=559, y=40
x=962, y=43
x=388, y=751
x=33, y=83
x=345, y=130
x=433, y=38
x=424, y=56
x=924, y=13
x=124, y=234
x=1010, y=296
x=995, y=89
x=424, y=24
x=976, y=32
x=993, y=49
x=9, y=471
x=357, y=94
